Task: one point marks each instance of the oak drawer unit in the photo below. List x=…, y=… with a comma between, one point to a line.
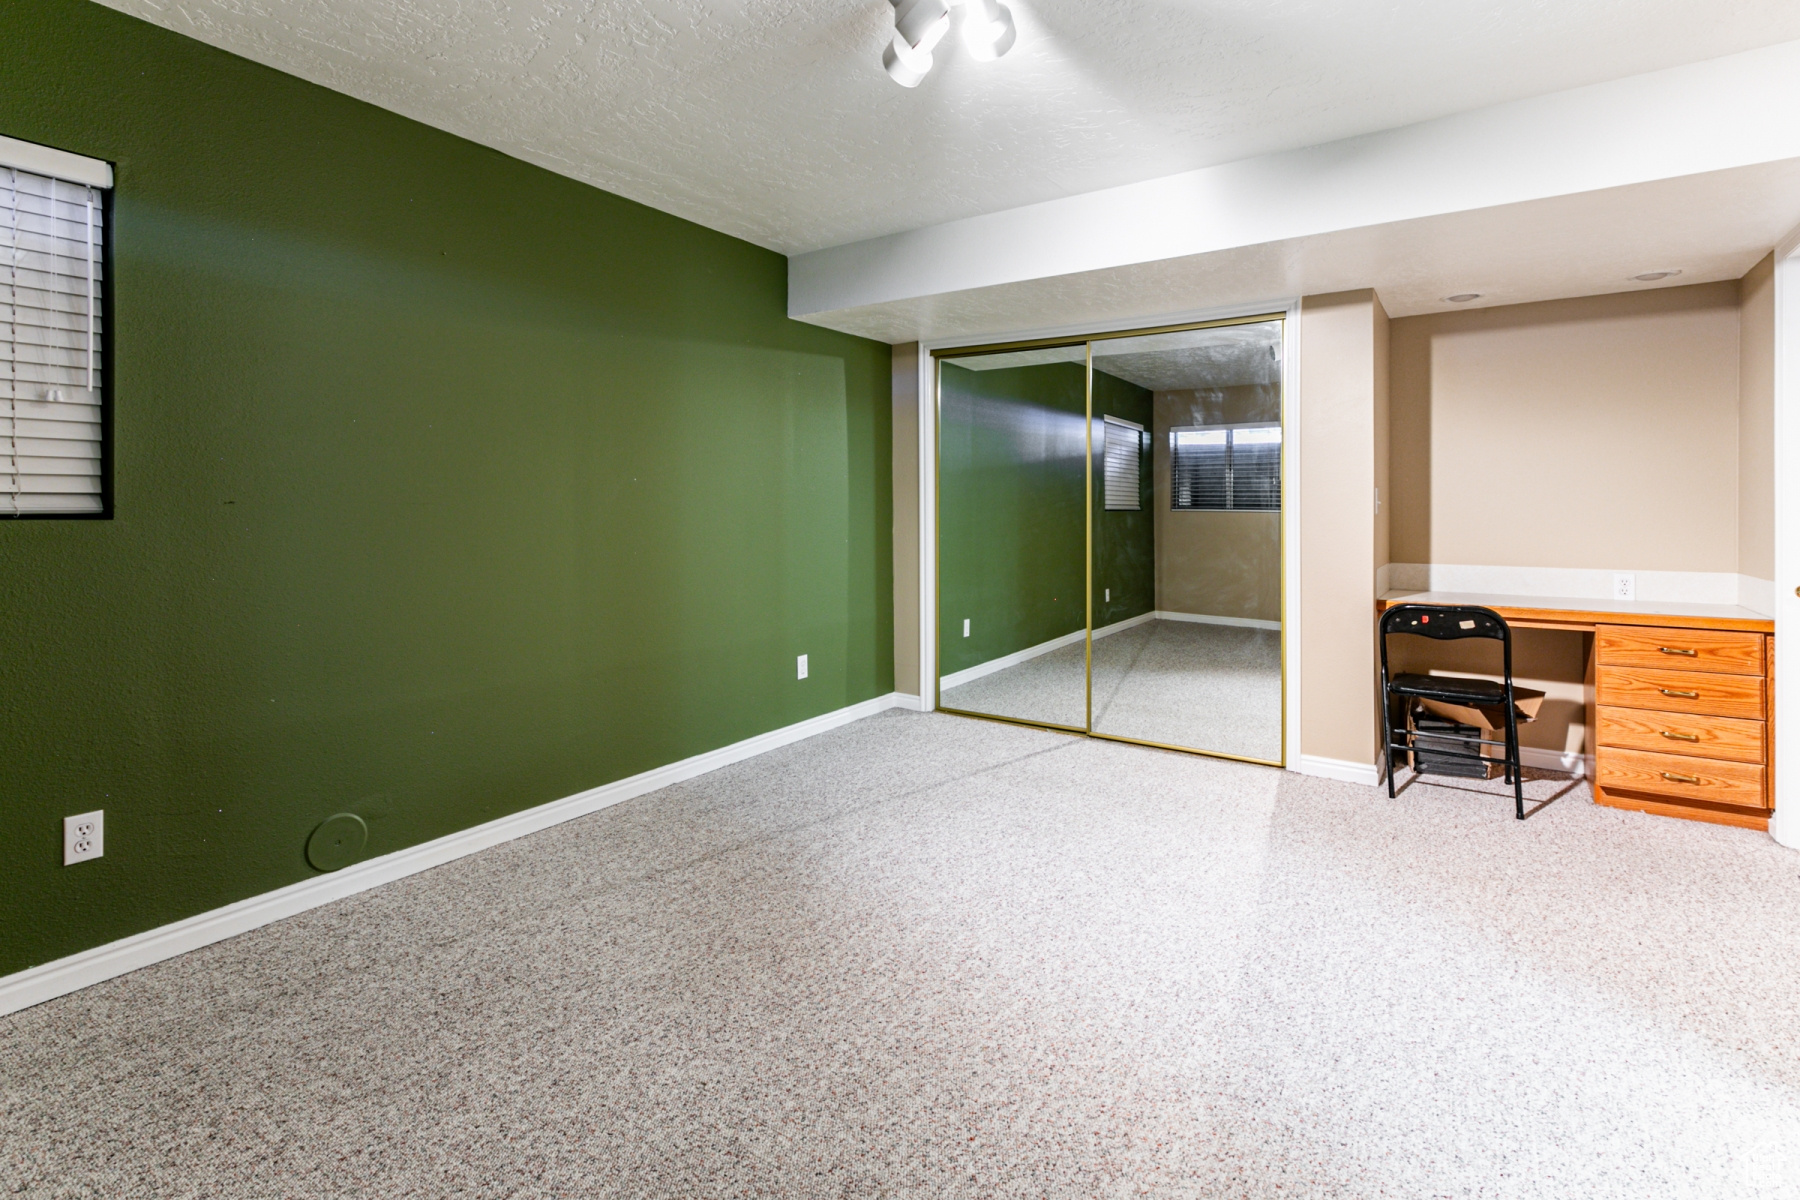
x=1699, y=692
x=1681, y=722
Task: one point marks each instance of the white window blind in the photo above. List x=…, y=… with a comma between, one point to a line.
x=50, y=428
x=1234, y=468
x=1122, y=456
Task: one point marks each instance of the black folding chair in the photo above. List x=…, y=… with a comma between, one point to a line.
x=1447, y=624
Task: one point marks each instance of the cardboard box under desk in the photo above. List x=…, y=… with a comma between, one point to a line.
x=1490, y=719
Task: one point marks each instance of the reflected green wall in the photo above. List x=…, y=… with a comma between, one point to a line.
x=1012, y=535
x=445, y=487
x=1012, y=477
x=1124, y=541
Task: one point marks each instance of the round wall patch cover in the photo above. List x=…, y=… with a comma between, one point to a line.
x=338, y=842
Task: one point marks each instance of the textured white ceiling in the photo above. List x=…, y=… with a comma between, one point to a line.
x=772, y=119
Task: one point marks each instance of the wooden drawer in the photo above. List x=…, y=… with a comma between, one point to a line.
x=1683, y=778
x=1718, y=650
x=1676, y=733
x=1704, y=692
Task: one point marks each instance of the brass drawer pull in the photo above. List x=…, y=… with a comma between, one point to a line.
x=1681, y=737
x=1676, y=778
x=1677, y=650
x=1675, y=692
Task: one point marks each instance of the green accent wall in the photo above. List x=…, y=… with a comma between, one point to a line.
x=1012, y=483
x=1124, y=541
x=444, y=487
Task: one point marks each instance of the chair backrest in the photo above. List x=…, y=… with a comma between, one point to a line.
x=1445, y=622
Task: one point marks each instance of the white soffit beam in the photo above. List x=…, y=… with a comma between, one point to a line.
x=1736, y=111
x=1711, y=227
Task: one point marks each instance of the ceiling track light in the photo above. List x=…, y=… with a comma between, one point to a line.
x=919, y=25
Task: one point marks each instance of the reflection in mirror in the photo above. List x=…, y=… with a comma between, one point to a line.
x=1012, y=486
x=1187, y=592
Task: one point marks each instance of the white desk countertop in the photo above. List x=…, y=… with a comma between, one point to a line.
x=1643, y=608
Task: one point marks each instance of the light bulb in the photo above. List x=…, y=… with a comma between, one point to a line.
x=988, y=29
x=919, y=25
x=907, y=66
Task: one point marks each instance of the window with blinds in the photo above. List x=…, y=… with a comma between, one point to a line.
x=1123, y=452
x=51, y=241
x=1230, y=468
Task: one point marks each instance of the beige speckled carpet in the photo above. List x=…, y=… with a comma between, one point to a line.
x=930, y=956
x=1178, y=683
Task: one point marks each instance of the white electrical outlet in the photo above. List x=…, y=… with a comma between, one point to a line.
x=1624, y=586
x=84, y=837
x=803, y=666
x=965, y=627
x=1109, y=595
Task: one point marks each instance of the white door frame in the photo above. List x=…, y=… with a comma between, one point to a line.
x=1290, y=484
x=1785, y=825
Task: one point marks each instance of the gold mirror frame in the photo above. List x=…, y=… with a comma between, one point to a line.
x=1288, y=486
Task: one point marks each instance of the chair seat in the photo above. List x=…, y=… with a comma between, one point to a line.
x=1449, y=689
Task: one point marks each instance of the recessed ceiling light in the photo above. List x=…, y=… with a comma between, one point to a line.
x=1653, y=276
x=1463, y=297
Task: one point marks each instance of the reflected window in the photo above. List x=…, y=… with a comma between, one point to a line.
x=1225, y=468
x=1124, y=442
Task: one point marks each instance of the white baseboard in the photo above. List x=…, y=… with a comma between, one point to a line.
x=1340, y=769
x=1580, y=765
x=1127, y=623
x=903, y=700
x=1669, y=587
x=1572, y=762
x=1208, y=619
x=47, y=981
x=971, y=674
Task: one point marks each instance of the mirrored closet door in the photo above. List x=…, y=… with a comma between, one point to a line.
x=1193, y=658
x=1012, y=535
x=1110, y=536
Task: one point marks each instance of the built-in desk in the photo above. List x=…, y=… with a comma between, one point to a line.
x=1679, y=699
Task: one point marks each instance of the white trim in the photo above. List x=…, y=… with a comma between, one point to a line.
x=46, y=160
x=970, y=674
x=979, y=670
x=1290, y=530
x=1784, y=826
x=909, y=703
x=1336, y=768
x=1209, y=619
x=52, y=979
x=928, y=660
x=1580, y=765
x=1571, y=761
x=1656, y=587
x=1127, y=623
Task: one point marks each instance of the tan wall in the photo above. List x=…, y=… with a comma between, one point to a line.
x=1338, y=416
x=1383, y=436
x=1756, y=421
x=906, y=518
x=1597, y=432
x=1222, y=564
